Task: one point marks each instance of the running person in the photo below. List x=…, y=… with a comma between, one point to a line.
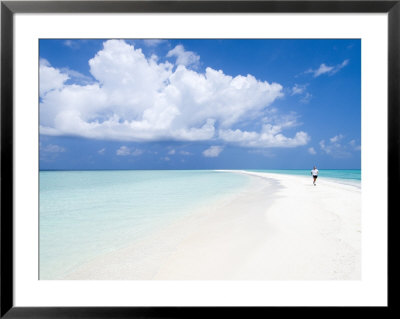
x=314, y=173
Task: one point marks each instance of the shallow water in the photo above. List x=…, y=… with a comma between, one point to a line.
x=84, y=214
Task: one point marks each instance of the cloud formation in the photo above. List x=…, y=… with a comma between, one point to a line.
x=337, y=148
x=213, y=151
x=270, y=136
x=136, y=98
x=76, y=76
x=301, y=90
x=298, y=89
x=125, y=151
x=312, y=151
x=353, y=144
x=50, y=78
x=183, y=57
x=336, y=138
x=326, y=69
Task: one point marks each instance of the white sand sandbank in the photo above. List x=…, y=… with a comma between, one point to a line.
x=281, y=227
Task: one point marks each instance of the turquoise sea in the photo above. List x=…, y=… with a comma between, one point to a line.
x=87, y=213
x=84, y=214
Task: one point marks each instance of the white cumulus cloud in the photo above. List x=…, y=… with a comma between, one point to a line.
x=123, y=151
x=312, y=151
x=336, y=138
x=183, y=57
x=270, y=136
x=213, y=151
x=50, y=78
x=137, y=98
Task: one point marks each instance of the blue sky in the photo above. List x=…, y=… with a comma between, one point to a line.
x=200, y=104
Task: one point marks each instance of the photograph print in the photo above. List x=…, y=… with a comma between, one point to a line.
x=200, y=159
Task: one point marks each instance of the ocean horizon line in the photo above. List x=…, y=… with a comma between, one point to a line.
x=197, y=169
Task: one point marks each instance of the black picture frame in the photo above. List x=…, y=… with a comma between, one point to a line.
x=9, y=8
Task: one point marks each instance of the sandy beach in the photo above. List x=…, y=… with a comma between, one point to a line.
x=280, y=227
